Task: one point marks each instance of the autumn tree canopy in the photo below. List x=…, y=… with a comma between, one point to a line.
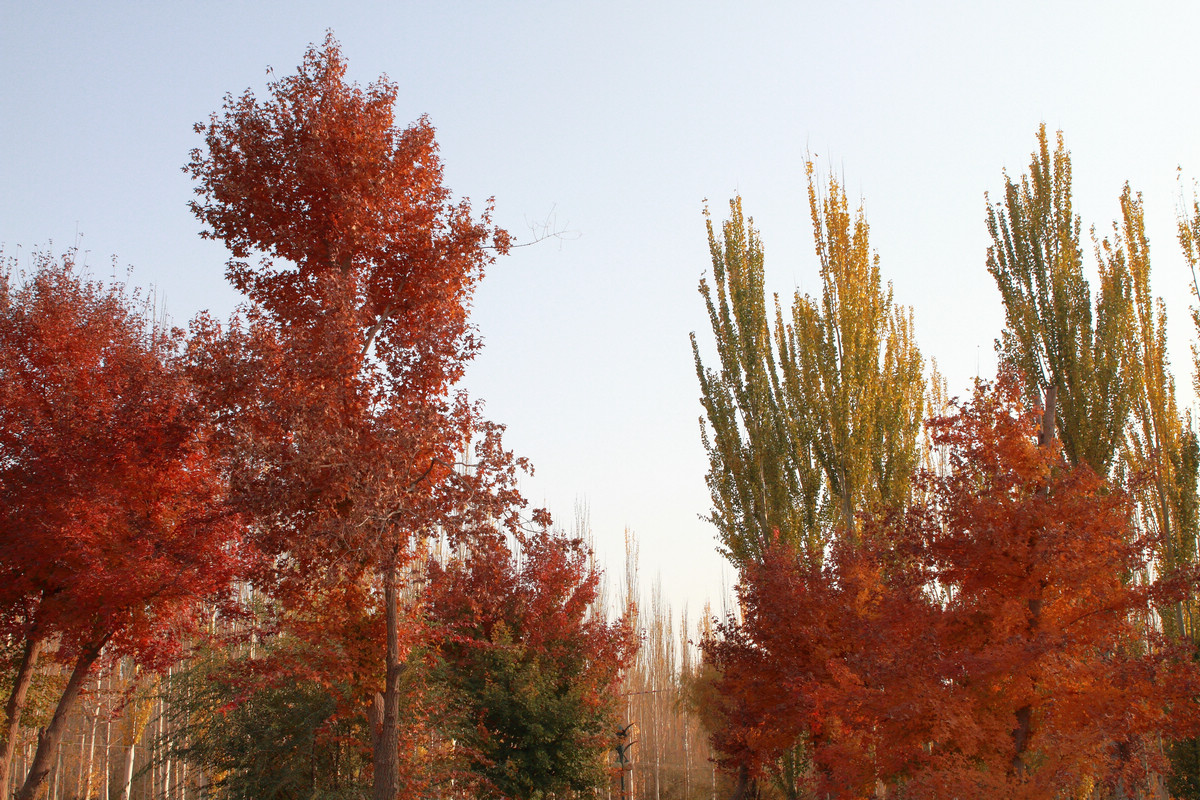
x=987, y=641
x=816, y=417
x=353, y=449
x=114, y=524
x=533, y=666
x=1021, y=624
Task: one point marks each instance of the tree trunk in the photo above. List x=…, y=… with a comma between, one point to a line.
x=164, y=727
x=1024, y=715
x=86, y=793
x=746, y=787
x=48, y=739
x=127, y=782
x=387, y=740
x=107, y=744
x=16, y=704
x=658, y=737
x=57, y=776
x=79, y=771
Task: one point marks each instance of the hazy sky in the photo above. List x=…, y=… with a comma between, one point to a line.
x=616, y=121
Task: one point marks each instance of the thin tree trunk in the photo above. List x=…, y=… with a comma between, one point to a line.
x=687, y=763
x=746, y=787
x=387, y=740
x=658, y=737
x=48, y=739
x=16, y=704
x=156, y=755
x=187, y=726
x=163, y=762
x=127, y=782
x=79, y=772
x=107, y=746
x=87, y=785
x=57, y=773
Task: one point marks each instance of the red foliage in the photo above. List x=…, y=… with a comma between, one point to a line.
x=113, y=521
x=335, y=393
x=996, y=638
x=1053, y=672
x=532, y=664
x=543, y=595
x=114, y=526
x=318, y=175
x=835, y=659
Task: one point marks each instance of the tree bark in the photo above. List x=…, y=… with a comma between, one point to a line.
x=16, y=703
x=387, y=741
x=49, y=739
x=746, y=787
x=86, y=792
x=127, y=781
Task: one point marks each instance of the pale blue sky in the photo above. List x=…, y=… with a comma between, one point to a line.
x=621, y=118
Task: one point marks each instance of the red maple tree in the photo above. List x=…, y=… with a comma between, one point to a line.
x=335, y=392
x=994, y=639
x=114, y=530
x=830, y=665
x=1053, y=675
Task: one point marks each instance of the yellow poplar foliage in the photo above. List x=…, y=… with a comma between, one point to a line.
x=1051, y=333
x=1157, y=444
x=1189, y=240
x=817, y=417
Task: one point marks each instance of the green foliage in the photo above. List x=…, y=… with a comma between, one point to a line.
x=536, y=733
x=1052, y=333
x=1159, y=449
x=1184, y=781
x=762, y=483
x=818, y=417
x=532, y=668
x=259, y=739
x=1189, y=240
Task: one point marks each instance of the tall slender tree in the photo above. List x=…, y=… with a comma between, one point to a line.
x=358, y=333
x=762, y=483
x=1056, y=332
x=811, y=421
x=1188, y=221
x=817, y=417
x=1158, y=446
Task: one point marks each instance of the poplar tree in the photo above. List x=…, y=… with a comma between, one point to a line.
x=1108, y=361
x=817, y=417
x=1189, y=241
x=1157, y=445
x=1106, y=355
x=1053, y=335
x=763, y=484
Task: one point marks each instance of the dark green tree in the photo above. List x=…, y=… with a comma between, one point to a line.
x=533, y=669
x=265, y=722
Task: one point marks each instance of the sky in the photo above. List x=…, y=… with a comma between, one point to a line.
x=615, y=124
